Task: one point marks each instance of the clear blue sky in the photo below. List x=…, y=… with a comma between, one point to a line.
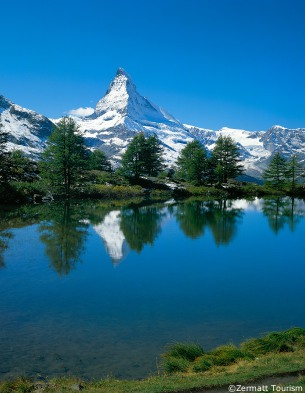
x=211, y=63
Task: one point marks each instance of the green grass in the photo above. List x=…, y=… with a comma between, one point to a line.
x=109, y=191
x=206, y=191
x=241, y=372
x=287, y=341
x=188, y=351
x=223, y=366
x=277, y=342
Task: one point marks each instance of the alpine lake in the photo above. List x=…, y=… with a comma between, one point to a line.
x=95, y=289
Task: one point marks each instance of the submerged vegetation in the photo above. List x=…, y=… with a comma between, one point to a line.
x=187, y=367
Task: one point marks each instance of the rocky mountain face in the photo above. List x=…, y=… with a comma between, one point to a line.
x=123, y=112
x=27, y=129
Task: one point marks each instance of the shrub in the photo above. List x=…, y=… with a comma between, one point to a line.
x=225, y=355
x=160, y=194
x=175, y=364
x=189, y=351
x=286, y=341
x=206, y=191
x=203, y=363
x=106, y=191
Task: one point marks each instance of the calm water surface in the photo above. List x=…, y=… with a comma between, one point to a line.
x=94, y=289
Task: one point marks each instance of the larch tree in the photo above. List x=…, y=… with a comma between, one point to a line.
x=153, y=156
x=4, y=157
x=192, y=163
x=227, y=160
x=276, y=173
x=97, y=160
x=143, y=156
x=294, y=171
x=133, y=160
x=65, y=157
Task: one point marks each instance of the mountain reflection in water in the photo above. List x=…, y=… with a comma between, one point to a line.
x=213, y=272
x=64, y=226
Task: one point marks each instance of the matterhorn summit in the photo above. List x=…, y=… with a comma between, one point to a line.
x=123, y=102
x=123, y=112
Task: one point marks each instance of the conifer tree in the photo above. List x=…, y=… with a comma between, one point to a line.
x=227, y=159
x=192, y=162
x=97, y=160
x=294, y=171
x=275, y=174
x=133, y=160
x=4, y=157
x=153, y=159
x=143, y=156
x=64, y=158
x=22, y=168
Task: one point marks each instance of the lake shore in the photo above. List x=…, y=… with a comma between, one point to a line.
x=244, y=373
x=19, y=193
x=277, y=359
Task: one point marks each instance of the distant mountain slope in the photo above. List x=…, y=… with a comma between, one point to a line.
x=257, y=147
x=122, y=112
x=27, y=129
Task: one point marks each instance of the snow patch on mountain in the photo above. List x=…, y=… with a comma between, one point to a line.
x=123, y=112
x=27, y=129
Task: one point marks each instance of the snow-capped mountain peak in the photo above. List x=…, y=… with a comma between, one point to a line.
x=122, y=112
x=122, y=99
x=4, y=103
x=117, y=96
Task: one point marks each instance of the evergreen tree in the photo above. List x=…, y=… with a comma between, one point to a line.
x=142, y=157
x=97, y=160
x=133, y=160
x=227, y=159
x=153, y=159
x=294, y=171
x=64, y=159
x=4, y=157
x=22, y=168
x=275, y=174
x=192, y=163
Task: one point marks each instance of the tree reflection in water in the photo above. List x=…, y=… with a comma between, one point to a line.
x=282, y=211
x=64, y=232
x=219, y=216
x=64, y=226
x=5, y=236
x=141, y=225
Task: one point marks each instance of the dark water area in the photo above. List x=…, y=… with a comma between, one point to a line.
x=94, y=289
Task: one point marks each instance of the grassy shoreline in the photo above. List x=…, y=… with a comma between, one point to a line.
x=241, y=372
x=23, y=192
x=277, y=354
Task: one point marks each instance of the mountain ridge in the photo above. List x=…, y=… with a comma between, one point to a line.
x=123, y=112
x=27, y=129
